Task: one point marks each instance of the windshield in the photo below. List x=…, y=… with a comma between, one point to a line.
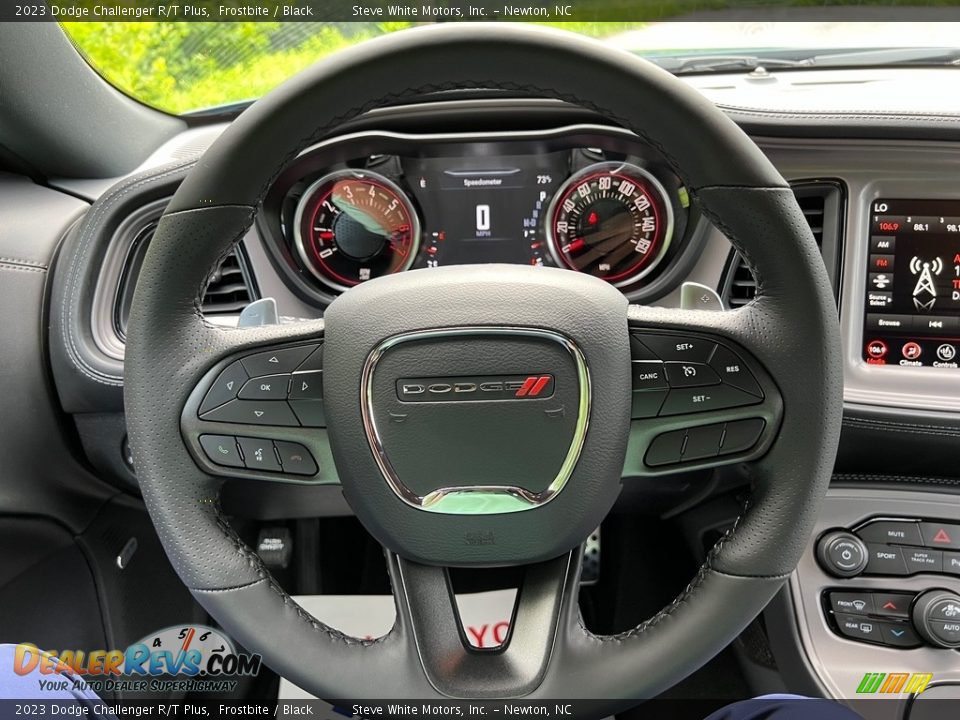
x=183, y=67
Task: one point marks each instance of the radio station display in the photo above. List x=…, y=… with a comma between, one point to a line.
x=912, y=308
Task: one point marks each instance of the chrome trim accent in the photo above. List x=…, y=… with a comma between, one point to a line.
x=476, y=499
x=615, y=167
x=358, y=175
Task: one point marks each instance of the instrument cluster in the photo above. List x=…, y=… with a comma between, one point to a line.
x=591, y=199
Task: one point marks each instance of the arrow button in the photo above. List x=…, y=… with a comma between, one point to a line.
x=307, y=386
x=253, y=412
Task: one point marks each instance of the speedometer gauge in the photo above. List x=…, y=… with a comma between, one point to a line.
x=611, y=220
x=351, y=226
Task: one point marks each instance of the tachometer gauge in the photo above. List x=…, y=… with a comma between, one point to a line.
x=351, y=226
x=611, y=220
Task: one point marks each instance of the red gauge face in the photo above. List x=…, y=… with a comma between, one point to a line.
x=610, y=220
x=353, y=226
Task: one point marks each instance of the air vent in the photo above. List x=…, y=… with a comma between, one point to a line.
x=823, y=206
x=228, y=292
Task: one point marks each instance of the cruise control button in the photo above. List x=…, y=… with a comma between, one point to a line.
x=221, y=449
x=885, y=560
x=899, y=635
x=940, y=535
x=648, y=375
x=682, y=374
x=253, y=412
x=225, y=387
x=307, y=386
x=693, y=400
x=646, y=404
x=733, y=371
x=891, y=531
x=920, y=560
x=677, y=348
x=295, y=458
x=741, y=435
x=702, y=442
x=851, y=603
x=258, y=454
x=892, y=604
x=310, y=412
x=267, y=387
x=666, y=449
x=272, y=362
x=859, y=628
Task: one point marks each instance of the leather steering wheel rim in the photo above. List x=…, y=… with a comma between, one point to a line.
x=791, y=328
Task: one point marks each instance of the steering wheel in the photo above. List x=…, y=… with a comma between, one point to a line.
x=516, y=477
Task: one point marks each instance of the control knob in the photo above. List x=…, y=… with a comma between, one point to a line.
x=842, y=554
x=936, y=615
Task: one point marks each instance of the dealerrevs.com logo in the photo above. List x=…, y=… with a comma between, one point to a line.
x=894, y=683
x=197, y=658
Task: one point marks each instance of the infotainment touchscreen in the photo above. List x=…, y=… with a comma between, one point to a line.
x=912, y=315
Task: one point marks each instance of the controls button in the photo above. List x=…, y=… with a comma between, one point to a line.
x=253, y=412
x=639, y=351
x=951, y=563
x=921, y=560
x=882, y=321
x=681, y=374
x=892, y=604
x=258, y=454
x=947, y=609
x=273, y=362
x=666, y=449
x=741, y=435
x=947, y=631
x=702, y=442
x=648, y=375
x=676, y=348
x=935, y=324
x=940, y=535
x=899, y=635
x=885, y=560
x=879, y=281
x=879, y=300
x=936, y=616
x=877, y=349
x=859, y=628
x=841, y=554
x=295, y=458
x=881, y=263
x=693, y=400
x=647, y=404
x=882, y=244
x=221, y=449
x=851, y=603
x=310, y=412
x=733, y=371
x=307, y=386
x=313, y=363
x=225, y=387
x=947, y=352
x=911, y=351
x=899, y=532
x=266, y=387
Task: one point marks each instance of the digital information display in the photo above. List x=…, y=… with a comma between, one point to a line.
x=912, y=308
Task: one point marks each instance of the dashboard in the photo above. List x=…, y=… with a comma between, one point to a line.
x=591, y=199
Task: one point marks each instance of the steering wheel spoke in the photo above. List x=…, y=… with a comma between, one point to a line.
x=259, y=413
x=426, y=604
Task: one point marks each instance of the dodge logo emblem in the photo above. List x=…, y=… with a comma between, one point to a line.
x=472, y=388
